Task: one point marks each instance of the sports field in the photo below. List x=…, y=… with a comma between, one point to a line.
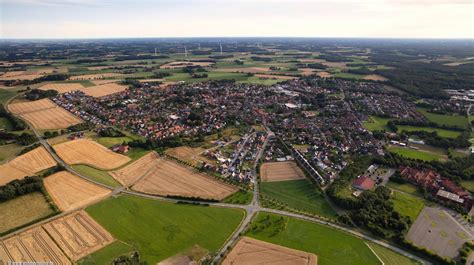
x=415, y=154
x=160, y=230
x=23, y=210
x=298, y=194
x=407, y=204
x=443, y=119
x=330, y=245
x=405, y=187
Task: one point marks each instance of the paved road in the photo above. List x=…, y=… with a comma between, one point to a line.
x=251, y=209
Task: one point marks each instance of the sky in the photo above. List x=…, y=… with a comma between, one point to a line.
x=236, y=18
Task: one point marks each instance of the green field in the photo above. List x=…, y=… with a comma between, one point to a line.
x=159, y=230
x=107, y=254
x=9, y=151
x=405, y=187
x=5, y=124
x=452, y=120
x=96, y=174
x=390, y=257
x=240, y=197
x=468, y=184
x=330, y=245
x=298, y=194
x=440, y=132
x=22, y=210
x=376, y=124
x=415, y=154
x=407, y=205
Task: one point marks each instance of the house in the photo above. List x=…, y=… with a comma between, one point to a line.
x=363, y=183
x=120, y=148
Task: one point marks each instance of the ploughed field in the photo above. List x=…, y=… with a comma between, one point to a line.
x=279, y=171
x=27, y=164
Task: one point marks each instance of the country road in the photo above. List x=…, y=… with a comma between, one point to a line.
x=251, y=210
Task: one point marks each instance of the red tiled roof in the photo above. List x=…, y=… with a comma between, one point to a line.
x=363, y=183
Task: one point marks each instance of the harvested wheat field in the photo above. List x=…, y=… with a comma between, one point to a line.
x=182, y=64
x=172, y=179
x=70, y=192
x=33, y=245
x=375, y=78
x=323, y=74
x=184, y=153
x=62, y=87
x=27, y=164
x=31, y=106
x=136, y=170
x=103, y=90
x=101, y=82
x=44, y=114
x=84, y=151
x=20, y=75
x=283, y=77
x=56, y=118
x=279, y=171
x=252, y=70
x=306, y=71
x=78, y=235
x=253, y=251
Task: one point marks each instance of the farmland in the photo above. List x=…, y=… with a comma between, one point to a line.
x=280, y=171
x=185, y=153
x=22, y=210
x=78, y=235
x=172, y=179
x=252, y=251
x=71, y=192
x=83, y=151
x=96, y=174
x=44, y=114
x=137, y=221
x=376, y=124
x=331, y=246
x=103, y=90
x=389, y=257
x=440, y=132
x=62, y=87
x=27, y=164
x=133, y=172
x=107, y=254
x=32, y=245
x=298, y=194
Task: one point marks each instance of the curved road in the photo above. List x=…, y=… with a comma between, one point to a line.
x=250, y=210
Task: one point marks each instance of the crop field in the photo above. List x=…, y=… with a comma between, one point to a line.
x=375, y=77
x=9, y=151
x=78, y=235
x=133, y=172
x=445, y=119
x=407, y=204
x=83, y=151
x=298, y=194
x=70, y=192
x=103, y=90
x=106, y=254
x=468, y=184
x=416, y=154
x=22, y=210
x=283, y=77
x=280, y=171
x=390, y=257
x=32, y=245
x=440, y=132
x=186, y=153
x=159, y=230
x=436, y=230
x=97, y=175
x=31, y=106
x=102, y=82
x=333, y=247
x=94, y=76
x=252, y=70
x=20, y=75
x=27, y=164
x=252, y=251
x=62, y=87
x=44, y=114
x=172, y=179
